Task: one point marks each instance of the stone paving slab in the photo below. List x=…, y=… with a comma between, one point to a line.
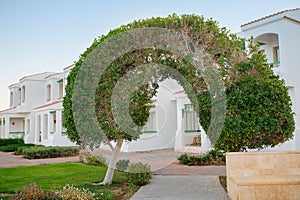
x=178, y=169
x=182, y=188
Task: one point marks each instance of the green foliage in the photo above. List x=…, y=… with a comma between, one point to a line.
x=223, y=46
x=258, y=111
x=213, y=157
x=19, y=150
x=49, y=152
x=8, y=141
x=34, y=192
x=69, y=192
x=14, y=147
x=122, y=165
x=96, y=160
x=138, y=174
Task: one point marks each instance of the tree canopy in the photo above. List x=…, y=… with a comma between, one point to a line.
x=258, y=109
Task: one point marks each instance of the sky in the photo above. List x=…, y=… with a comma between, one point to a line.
x=48, y=35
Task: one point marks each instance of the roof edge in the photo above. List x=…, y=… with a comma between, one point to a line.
x=269, y=16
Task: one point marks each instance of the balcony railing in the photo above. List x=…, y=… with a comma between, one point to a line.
x=275, y=64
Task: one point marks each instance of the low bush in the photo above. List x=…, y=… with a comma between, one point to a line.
x=14, y=147
x=70, y=192
x=122, y=165
x=213, y=157
x=96, y=160
x=36, y=193
x=10, y=147
x=20, y=149
x=49, y=152
x=8, y=141
x=138, y=174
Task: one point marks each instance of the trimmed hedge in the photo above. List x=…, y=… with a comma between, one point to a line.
x=49, y=152
x=13, y=147
x=9, y=141
x=19, y=150
x=212, y=157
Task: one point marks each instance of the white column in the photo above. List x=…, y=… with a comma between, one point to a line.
x=7, y=123
x=58, y=122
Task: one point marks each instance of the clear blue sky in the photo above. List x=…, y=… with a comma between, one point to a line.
x=48, y=35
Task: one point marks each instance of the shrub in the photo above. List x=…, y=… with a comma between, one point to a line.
x=14, y=147
x=138, y=174
x=19, y=150
x=97, y=160
x=36, y=193
x=122, y=165
x=70, y=192
x=49, y=152
x=8, y=141
x=10, y=147
x=212, y=157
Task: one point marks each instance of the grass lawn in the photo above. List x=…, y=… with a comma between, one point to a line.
x=55, y=176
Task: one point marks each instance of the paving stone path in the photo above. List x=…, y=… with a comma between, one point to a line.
x=192, y=187
x=9, y=160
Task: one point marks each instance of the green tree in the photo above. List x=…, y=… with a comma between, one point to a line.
x=259, y=111
x=240, y=74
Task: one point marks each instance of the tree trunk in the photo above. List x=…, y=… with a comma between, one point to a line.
x=112, y=163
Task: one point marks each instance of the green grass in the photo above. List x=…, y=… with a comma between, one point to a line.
x=53, y=176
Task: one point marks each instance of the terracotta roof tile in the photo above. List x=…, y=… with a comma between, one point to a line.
x=53, y=74
x=33, y=75
x=70, y=66
x=180, y=92
x=7, y=109
x=269, y=16
x=49, y=104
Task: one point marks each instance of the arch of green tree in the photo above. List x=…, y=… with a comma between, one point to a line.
x=258, y=111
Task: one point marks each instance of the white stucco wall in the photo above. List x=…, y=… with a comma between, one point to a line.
x=166, y=124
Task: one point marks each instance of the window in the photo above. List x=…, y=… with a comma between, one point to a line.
x=23, y=92
x=48, y=92
x=190, y=119
x=61, y=90
x=276, y=54
x=0, y=121
x=53, y=122
x=3, y=121
x=11, y=99
x=28, y=125
x=150, y=127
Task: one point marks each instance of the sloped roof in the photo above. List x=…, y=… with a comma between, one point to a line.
x=38, y=76
x=49, y=104
x=1, y=111
x=69, y=67
x=269, y=16
x=58, y=73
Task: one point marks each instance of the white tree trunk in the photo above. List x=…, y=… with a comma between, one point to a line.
x=112, y=163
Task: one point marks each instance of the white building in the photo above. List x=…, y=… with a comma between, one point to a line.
x=279, y=36
x=35, y=112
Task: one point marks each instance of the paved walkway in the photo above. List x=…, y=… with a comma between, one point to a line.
x=181, y=188
x=170, y=179
x=9, y=160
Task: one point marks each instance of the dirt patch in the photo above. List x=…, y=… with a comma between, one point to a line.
x=223, y=182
